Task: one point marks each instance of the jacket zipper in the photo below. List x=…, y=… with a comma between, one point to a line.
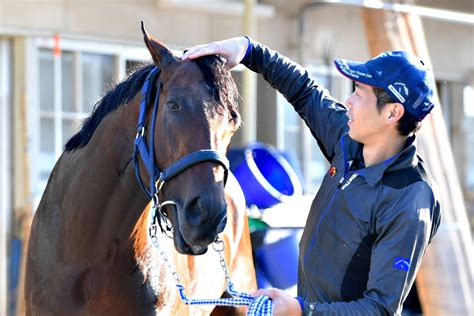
x=327, y=208
x=321, y=220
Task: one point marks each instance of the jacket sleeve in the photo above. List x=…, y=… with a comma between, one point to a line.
x=404, y=229
x=325, y=116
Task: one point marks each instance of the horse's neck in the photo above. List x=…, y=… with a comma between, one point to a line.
x=104, y=200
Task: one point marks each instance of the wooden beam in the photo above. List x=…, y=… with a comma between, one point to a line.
x=22, y=209
x=21, y=183
x=444, y=279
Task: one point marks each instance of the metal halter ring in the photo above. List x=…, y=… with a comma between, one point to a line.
x=218, y=245
x=166, y=220
x=159, y=184
x=140, y=132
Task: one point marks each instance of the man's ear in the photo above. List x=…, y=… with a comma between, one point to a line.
x=395, y=112
x=162, y=56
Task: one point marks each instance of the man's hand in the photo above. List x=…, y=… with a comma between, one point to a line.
x=233, y=50
x=283, y=303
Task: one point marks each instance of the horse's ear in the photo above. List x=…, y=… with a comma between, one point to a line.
x=161, y=55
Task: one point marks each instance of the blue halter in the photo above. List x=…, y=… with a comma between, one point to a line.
x=262, y=305
x=142, y=149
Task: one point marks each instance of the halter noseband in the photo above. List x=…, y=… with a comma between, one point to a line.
x=142, y=149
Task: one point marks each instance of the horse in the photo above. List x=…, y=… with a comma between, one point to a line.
x=88, y=250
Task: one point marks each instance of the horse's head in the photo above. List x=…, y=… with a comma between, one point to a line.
x=197, y=110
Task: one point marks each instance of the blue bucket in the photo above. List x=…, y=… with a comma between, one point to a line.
x=278, y=261
x=266, y=177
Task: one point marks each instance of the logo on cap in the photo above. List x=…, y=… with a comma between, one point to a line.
x=401, y=88
x=427, y=106
x=396, y=93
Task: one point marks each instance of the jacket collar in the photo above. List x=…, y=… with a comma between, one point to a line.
x=352, y=151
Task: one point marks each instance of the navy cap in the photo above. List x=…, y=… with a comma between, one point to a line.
x=403, y=75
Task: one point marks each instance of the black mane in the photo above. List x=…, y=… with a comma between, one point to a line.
x=215, y=75
x=121, y=94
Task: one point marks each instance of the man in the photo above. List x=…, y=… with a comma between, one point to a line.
x=375, y=212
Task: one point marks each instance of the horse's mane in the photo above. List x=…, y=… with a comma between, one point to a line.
x=121, y=94
x=215, y=75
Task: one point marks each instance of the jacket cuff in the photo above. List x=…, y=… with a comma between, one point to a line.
x=249, y=49
x=300, y=300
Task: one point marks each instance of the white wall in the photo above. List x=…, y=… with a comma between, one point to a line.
x=451, y=45
x=119, y=21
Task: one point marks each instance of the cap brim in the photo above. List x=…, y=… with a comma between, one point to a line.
x=356, y=71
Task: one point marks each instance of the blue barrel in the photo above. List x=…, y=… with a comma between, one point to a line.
x=278, y=261
x=266, y=177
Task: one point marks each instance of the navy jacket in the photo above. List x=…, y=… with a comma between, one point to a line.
x=368, y=228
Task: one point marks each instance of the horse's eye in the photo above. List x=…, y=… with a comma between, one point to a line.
x=172, y=106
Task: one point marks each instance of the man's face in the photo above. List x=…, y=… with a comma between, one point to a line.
x=365, y=121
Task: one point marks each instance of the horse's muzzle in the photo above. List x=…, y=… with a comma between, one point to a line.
x=202, y=219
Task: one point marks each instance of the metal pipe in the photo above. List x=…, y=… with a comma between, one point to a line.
x=249, y=81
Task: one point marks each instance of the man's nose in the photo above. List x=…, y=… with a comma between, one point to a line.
x=349, y=102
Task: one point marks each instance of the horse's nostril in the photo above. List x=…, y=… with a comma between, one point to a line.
x=196, y=211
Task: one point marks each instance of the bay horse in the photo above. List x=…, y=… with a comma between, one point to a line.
x=88, y=251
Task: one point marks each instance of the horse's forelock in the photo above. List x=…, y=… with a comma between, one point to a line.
x=219, y=79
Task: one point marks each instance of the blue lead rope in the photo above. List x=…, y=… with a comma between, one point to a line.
x=261, y=305
x=258, y=306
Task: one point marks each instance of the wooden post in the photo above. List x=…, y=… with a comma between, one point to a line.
x=445, y=277
x=22, y=212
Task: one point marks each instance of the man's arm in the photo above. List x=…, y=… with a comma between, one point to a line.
x=325, y=117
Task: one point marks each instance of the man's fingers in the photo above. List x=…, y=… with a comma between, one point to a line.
x=231, y=50
x=202, y=50
x=190, y=51
x=258, y=293
x=264, y=292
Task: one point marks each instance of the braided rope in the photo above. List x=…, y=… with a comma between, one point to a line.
x=261, y=306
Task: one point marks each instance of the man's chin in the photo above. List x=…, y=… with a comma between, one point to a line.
x=352, y=135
